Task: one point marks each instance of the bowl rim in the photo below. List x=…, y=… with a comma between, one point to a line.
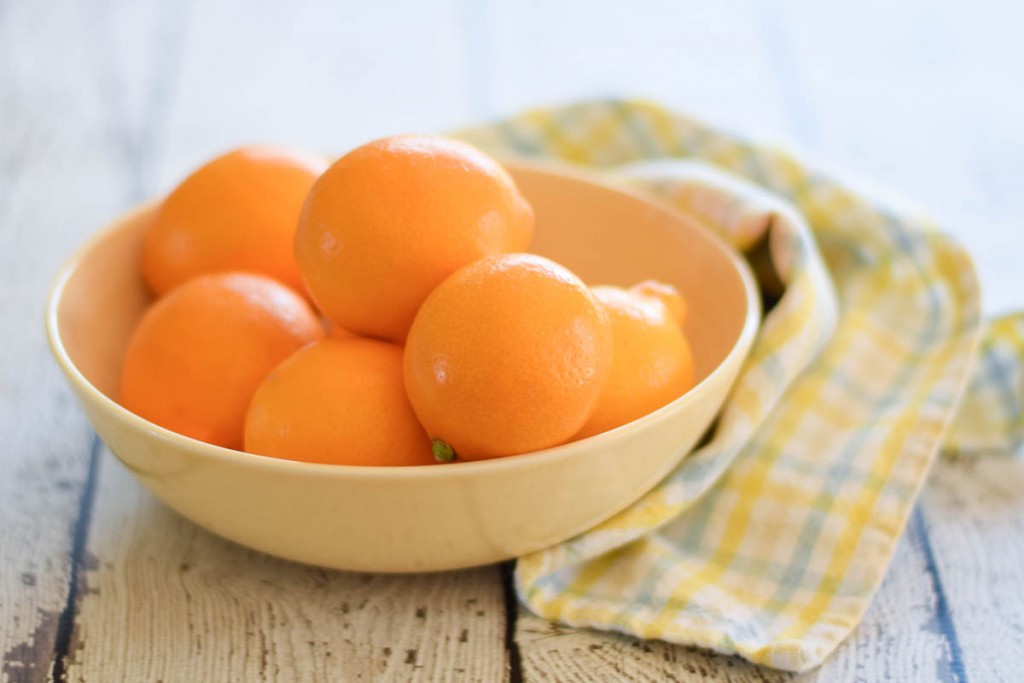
x=736, y=353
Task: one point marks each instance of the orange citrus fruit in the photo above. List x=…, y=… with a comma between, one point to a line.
x=237, y=213
x=651, y=360
x=339, y=401
x=198, y=354
x=507, y=355
x=390, y=220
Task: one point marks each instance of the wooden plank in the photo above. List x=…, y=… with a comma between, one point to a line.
x=862, y=119
x=905, y=95
x=921, y=110
x=703, y=66
x=57, y=184
x=556, y=653
x=699, y=63
x=900, y=637
x=706, y=59
x=314, y=74
x=165, y=600
x=912, y=95
x=794, y=62
x=974, y=513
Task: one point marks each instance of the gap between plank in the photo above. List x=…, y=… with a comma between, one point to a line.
x=942, y=614
x=138, y=160
x=79, y=536
x=508, y=584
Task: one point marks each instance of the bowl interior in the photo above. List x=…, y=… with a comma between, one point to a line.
x=103, y=299
x=604, y=235
x=613, y=237
x=386, y=519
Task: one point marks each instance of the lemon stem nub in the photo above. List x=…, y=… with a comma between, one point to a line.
x=442, y=451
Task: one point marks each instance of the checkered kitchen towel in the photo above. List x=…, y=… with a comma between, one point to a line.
x=771, y=540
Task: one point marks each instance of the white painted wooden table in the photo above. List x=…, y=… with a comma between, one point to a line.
x=105, y=104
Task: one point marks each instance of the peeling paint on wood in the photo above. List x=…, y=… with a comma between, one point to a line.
x=974, y=513
x=96, y=111
x=556, y=654
x=30, y=660
x=183, y=605
x=56, y=186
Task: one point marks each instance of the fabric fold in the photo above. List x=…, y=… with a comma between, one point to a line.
x=771, y=539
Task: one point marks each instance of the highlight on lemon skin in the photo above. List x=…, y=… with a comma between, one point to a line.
x=237, y=212
x=198, y=353
x=387, y=222
x=507, y=356
x=340, y=402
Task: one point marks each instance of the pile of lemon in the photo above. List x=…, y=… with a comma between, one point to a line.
x=383, y=311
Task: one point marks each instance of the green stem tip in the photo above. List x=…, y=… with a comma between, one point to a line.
x=442, y=451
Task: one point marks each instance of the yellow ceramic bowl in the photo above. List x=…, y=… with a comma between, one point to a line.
x=424, y=518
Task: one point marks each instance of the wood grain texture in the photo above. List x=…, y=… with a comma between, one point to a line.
x=864, y=87
x=56, y=186
x=104, y=104
x=974, y=512
x=162, y=599
x=915, y=97
x=555, y=653
x=705, y=57
x=165, y=600
x=324, y=76
x=900, y=637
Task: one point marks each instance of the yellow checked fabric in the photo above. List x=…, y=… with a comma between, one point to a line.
x=770, y=540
